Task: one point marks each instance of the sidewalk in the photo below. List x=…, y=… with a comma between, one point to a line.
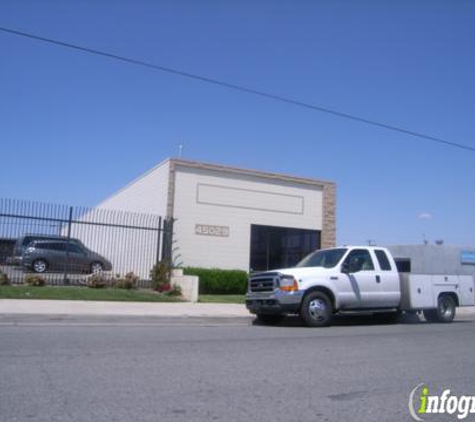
x=176, y=309
x=77, y=307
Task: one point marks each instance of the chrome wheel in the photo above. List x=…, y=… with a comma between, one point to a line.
x=446, y=308
x=445, y=311
x=96, y=267
x=40, y=266
x=317, y=309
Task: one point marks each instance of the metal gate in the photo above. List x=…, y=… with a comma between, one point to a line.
x=73, y=242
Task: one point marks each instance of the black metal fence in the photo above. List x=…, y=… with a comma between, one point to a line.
x=67, y=244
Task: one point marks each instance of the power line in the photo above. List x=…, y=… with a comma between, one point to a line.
x=242, y=89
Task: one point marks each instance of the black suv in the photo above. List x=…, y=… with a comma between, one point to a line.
x=58, y=255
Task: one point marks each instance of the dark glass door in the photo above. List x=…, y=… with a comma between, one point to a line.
x=280, y=247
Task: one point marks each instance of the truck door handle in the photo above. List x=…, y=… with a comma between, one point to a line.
x=378, y=279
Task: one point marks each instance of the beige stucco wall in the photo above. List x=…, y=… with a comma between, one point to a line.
x=229, y=203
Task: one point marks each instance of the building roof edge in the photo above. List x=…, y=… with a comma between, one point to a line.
x=249, y=172
x=133, y=181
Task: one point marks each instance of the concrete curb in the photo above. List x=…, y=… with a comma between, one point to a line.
x=179, y=309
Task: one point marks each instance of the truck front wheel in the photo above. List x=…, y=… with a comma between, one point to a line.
x=445, y=311
x=316, y=310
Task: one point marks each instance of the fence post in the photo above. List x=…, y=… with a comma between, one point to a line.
x=159, y=235
x=167, y=240
x=164, y=240
x=66, y=267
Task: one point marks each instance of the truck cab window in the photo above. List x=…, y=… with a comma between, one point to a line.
x=383, y=260
x=359, y=260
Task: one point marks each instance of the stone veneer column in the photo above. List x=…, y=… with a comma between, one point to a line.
x=329, y=216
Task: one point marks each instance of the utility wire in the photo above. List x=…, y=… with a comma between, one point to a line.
x=241, y=88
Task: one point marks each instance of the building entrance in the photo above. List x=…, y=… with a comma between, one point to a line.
x=280, y=247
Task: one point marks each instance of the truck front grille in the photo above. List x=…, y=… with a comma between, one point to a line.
x=262, y=283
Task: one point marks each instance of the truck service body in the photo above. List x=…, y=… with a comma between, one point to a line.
x=354, y=278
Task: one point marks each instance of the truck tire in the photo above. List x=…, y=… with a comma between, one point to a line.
x=316, y=310
x=269, y=319
x=446, y=308
x=445, y=311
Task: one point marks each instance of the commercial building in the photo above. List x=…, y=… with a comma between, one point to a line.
x=233, y=218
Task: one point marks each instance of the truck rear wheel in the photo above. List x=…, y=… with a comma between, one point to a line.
x=445, y=311
x=316, y=310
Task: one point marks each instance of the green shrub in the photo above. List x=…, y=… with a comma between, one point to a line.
x=160, y=275
x=96, y=281
x=4, y=280
x=34, y=280
x=128, y=282
x=216, y=281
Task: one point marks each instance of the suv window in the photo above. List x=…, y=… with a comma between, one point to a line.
x=24, y=241
x=50, y=246
x=27, y=240
x=360, y=260
x=75, y=248
x=56, y=246
x=383, y=260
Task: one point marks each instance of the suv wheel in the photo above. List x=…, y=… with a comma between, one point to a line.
x=39, y=266
x=96, y=267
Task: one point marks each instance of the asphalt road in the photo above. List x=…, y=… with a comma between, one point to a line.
x=146, y=369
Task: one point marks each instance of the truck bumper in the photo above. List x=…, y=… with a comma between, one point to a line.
x=275, y=303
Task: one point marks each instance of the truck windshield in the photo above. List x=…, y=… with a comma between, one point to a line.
x=326, y=258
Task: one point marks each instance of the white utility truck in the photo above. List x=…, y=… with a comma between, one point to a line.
x=355, y=279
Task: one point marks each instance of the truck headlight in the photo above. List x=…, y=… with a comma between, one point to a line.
x=288, y=284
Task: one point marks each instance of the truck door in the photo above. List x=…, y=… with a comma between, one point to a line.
x=359, y=269
x=388, y=280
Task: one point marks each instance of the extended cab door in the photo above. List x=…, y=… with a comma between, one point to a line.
x=389, y=279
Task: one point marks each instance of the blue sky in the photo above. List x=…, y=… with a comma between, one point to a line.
x=75, y=128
